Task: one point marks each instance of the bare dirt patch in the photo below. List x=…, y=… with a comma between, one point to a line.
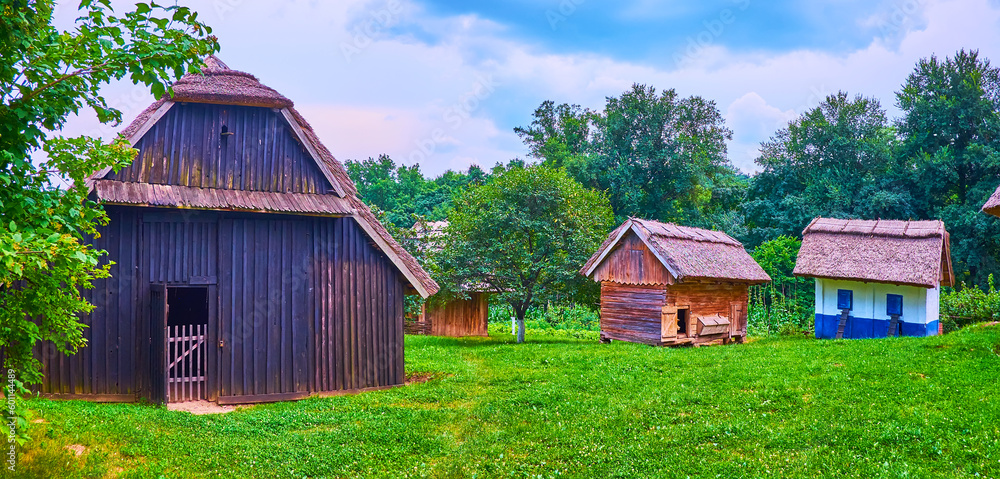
x=200, y=407
x=78, y=449
x=419, y=377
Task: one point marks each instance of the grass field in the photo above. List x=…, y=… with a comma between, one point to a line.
x=782, y=407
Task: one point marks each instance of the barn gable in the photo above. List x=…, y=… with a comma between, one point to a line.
x=224, y=141
x=224, y=147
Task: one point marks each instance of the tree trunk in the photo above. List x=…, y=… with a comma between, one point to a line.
x=520, y=327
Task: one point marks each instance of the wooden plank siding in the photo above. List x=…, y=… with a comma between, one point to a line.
x=461, y=317
x=632, y=312
x=259, y=152
x=297, y=305
x=631, y=262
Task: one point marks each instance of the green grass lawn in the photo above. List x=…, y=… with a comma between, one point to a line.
x=783, y=407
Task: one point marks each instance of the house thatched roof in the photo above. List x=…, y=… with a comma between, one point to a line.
x=687, y=253
x=992, y=205
x=913, y=253
x=219, y=84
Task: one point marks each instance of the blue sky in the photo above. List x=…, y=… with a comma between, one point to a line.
x=443, y=83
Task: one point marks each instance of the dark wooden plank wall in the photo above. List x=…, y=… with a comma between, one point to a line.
x=303, y=305
x=461, y=317
x=186, y=147
x=358, y=315
x=632, y=312
x=631, y=262
x=105, y=365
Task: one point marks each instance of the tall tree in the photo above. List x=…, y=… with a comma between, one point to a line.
x=558, y=134
x=403, y=194
x=46, y=75
x=657, y=155
x=835, y=160
x=525, y=233
x=951, y=131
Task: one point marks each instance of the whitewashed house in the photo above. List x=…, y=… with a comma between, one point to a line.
x=876, y=278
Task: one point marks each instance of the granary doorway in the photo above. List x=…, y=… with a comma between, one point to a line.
x=180, y=339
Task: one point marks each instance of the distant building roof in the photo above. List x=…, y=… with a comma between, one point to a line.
x=992, y=205
x=687, y=253
x=913, y=253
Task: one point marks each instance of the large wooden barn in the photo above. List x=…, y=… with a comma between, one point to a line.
x=663, y=284
x=455, y=317
x=876, y=278
x=246, y=269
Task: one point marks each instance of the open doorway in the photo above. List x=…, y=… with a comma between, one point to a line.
x=682, y=321
x=187, y=329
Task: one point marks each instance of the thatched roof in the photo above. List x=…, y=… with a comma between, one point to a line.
x=687, y=253
x=992, y=205
x=219, y=84
x=913, y=253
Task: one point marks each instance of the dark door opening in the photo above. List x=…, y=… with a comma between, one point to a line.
x=682, y=322
x=187, y=329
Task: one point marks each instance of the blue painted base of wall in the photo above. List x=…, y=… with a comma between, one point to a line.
x=862, y=328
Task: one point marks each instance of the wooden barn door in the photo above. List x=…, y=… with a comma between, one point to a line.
x=158, y=344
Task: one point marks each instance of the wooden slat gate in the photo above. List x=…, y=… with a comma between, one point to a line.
x=186, y=367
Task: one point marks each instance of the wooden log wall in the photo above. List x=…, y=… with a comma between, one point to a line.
x=299, y=305
x=258, y=152
x=708, y=299
x=632, y=312
x=463, y=317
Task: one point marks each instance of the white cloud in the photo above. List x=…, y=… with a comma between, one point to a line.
x=397, y=90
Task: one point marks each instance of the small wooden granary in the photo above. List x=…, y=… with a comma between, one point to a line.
x=876, y=278
x=664, y=284
x=455, y=317
x=245, y=269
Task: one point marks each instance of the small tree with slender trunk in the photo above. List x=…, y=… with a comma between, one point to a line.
x=525, y=234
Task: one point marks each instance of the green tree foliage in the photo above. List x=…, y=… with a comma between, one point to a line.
x=787, y=301
x=951, y=138
x=404, y=194
x=835, y=160
x=525, y=233
x=558, y=134
x=657, y=155
x=46, y=75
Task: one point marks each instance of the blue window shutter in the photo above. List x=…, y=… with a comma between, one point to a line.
x=845, y=299
x=894, y=304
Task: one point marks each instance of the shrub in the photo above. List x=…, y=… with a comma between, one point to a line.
x=969, y=305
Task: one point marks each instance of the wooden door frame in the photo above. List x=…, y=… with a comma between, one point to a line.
x=213, y=360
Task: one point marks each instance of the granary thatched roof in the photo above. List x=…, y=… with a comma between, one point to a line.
x=992, y=205
x=219, y=84
x=913, y=253
x=687, y=253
